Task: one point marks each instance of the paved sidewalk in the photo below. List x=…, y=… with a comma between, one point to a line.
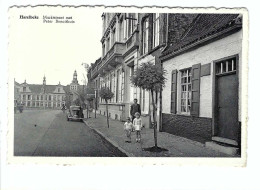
x=177, y=146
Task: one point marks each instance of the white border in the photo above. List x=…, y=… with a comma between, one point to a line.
x=31, y=176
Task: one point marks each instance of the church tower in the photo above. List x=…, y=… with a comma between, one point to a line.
x=75, y=80
x=74, y=84
x=43, y=84
x=44, y=80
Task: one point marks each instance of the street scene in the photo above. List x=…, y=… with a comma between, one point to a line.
x=157, y=85
x=48, y=133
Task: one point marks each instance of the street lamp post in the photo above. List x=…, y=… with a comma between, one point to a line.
x=95, y=103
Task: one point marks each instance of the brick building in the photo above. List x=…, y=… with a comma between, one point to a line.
x=201, y=99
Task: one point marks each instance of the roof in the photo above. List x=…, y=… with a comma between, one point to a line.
x=36, y=88
x=16, y=83
x=203, y=26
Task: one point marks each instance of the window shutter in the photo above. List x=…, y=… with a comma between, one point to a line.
x=195, y=90
x=173, y=91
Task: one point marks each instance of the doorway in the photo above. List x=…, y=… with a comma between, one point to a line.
x=226, y=124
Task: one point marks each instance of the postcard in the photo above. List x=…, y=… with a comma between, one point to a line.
x=127, y=85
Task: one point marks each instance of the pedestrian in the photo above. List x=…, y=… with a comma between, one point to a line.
x=135, y=107
x=138, y=126
x=128, y=128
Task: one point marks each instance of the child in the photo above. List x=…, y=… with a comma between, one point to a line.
x=128, y=127
x=138, y=125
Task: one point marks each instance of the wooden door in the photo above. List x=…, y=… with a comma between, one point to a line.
x=227, y=101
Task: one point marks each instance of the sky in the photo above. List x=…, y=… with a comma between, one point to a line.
x=53, y=49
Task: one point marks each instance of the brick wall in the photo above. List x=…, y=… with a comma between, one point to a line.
x=194, y=128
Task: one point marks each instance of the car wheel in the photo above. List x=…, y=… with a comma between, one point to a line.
x=68, y=119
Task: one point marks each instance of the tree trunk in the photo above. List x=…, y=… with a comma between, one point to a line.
x=154, y=120
x=107, y=115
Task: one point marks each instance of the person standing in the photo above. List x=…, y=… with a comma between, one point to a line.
x=135, y=107
x=128, y=126
x=137, y=123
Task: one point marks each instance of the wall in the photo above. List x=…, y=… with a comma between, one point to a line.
x=227, y=46
x=194, y=128
x=113, y=110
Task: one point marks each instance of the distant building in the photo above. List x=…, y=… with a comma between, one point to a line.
x=44, y=96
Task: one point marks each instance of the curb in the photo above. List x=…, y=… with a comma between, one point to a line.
x=113, y=143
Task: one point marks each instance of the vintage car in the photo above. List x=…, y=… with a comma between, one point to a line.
x=75, y=113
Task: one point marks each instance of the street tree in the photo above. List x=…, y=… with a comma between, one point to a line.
x=150, y=77
x=106, y=94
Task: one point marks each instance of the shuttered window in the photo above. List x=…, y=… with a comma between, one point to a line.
x=195, y=90
x=173, y=91
x=186, y=91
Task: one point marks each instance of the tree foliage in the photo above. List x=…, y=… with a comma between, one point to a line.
x=106, y=94
x=149, y=77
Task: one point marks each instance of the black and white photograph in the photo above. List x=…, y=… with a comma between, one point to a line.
x=129, y=95
x=127, y=84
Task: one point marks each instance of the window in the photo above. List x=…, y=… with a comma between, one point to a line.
x=29, y=97
x=117, y=85
x=103, y=49
x=131, y=23
x=113, y=85
x=24, y=89
x=156, y=29
x=58, y=89
x=108, y=44
x=49, y=97
x=145, y=35
x=143, y=100
x=186, y=91
x=113, y=36
x=24, y=97
x=123, y=86
x=121, y=30
x=226, y=66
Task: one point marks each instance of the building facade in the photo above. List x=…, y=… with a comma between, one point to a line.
x=201, y=53
x=202, y=96
x=130, y=39
x=120, y=42
x=44, y=96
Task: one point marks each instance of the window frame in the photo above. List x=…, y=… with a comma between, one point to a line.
x=188, y=87
x=145, y=35
x=156, y=29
